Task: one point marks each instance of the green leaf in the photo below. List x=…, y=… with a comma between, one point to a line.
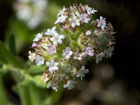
x=38, y=82
x=12, y=45
x=37, y=95
x=57, y=95
x=3, y=98
x=24, y=83
x=34, y=79
x=7, y=58
x=3, y=70
x=3, y=60
x=24, y=94
x=35, y=70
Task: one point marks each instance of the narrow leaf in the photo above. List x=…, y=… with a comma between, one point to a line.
x=7, y=57
x=12, y=45
x=3, y=98
x=24, y=94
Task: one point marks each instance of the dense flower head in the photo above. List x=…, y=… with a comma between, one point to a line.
x=64, y=50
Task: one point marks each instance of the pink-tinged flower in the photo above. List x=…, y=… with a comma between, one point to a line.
x=101, y=23
x=88, y=51
x=79, y=56
x=34, y=45
x=51, y=49
x=39, y=60
x=67, y=53
x=84, y=18
x=81, y=73
x=52, y=65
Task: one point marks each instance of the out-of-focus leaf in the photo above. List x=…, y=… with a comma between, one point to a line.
x=24, y=94
x=38, y=82
x=24, y=83
x=3, y=70
x=3, y=60
x=57, y=95
x=35, y=70
x=48, y=101
x=38, y=95
x=12, y=44
x=34, y=79
x=7, y=57
x=3, y=99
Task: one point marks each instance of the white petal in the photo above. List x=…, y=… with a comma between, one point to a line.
x=56, y=63
x=48, y=64
x=62, y=36
x=52, y=61
x=55, y=68
x=51, y=69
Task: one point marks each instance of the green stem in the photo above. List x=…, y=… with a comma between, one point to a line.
x=24, y=94
x=34, y=95
x=3, y=99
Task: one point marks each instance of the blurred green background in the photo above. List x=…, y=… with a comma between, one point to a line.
x=113, y=81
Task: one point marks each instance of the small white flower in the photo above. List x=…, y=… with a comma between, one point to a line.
x=96, y=32
x=49, y=85
x=57, y=39
x=32, y=56
x=39, y=60
x=67, y=53
x=74, y=21
x=84, y=18
x=99, y=57
x=51, y=31
x=79, y=56
x=70, y=84
x=90, y=10
x=38, y=36
x=61, y=19
x=45, y=77
x=53, y=85
x=62, y=11
x=81, y=73
x=52, y=65
x=101, y=22
x=55, y=88
x=88, y=32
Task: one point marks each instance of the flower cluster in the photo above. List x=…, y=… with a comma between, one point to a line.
x=31, y=12
x=64, y=50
